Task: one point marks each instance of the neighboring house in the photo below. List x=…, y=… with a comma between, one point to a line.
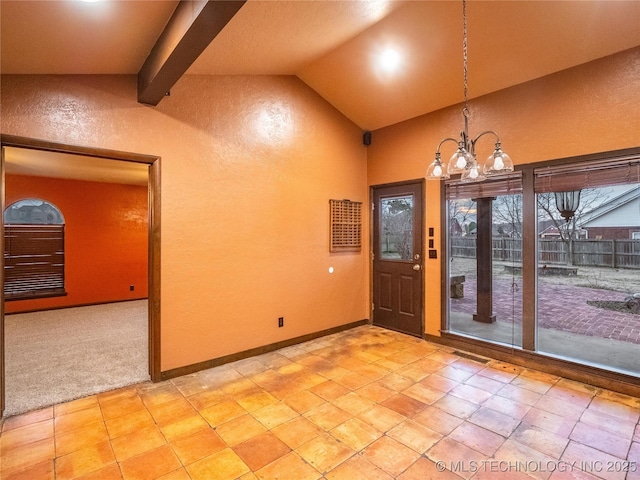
x=616, y=219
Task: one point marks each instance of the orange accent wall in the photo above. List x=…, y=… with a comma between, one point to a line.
x=248, y=165
x=106, y=239
x=587, y=109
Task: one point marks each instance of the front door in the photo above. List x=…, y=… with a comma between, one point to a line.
x=397, y=257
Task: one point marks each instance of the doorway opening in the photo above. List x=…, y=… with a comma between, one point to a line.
x=104, y=166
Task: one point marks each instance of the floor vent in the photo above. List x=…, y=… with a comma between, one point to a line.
x=471, y=357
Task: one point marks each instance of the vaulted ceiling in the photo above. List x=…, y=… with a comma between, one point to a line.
x=334, y=46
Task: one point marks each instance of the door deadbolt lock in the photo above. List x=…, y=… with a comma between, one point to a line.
x=416, y=256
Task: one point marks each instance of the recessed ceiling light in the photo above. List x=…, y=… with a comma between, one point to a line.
x=390, y=59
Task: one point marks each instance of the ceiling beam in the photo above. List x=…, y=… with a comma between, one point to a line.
x=191, y=28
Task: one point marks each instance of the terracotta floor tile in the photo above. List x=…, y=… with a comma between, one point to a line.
x=180, y=474
x=169, y=412
x=425, y=469
x=414, y=372
x=512, y=451
x=222, y=465
x=26, y=456
x=329, y=390
x=499, y=374
x=622, y=427
x=255, y=400
x=261, y=450
x=150, y=465
x=403, y=357
x=444, y=355
x=414, y=435
x=190, y=385
x=549, y=421
x=455, y=374
x=485, y=383
x=248, y=366
x=110, y=472
x=437, y=420
x=541, y=440
x=381, y=418
x=456, y=406
x=388, y=365
x=404, y=405
x=376, y=392
x=601, y=440
x=84, y=461
x=353, y=403
x=289, y=466
x=628, y=400
x=469, y=365
x=581, y=399
x=395, y=382
x=239, y=387
x=303, y=401
x=184, y=427
x=422, y=393
x=80, y=438
x=327, y=416
x=129, y=423
x=158, y=394
x=297, y=432
x=478, y=438
x=438, y=382
x=569, y=411
x=616, y=409
x=636, y=435
x=207, y=398
x=519, y=394
x=75, y=405
x=137, y=442
x=592, y=461
x=41, y=471
x=372, y=371
x=121, y=406
x=355, y=433
x=353, y=381
x=324, y=452
x=118, y=393
x=21, y=436
x=430, y=366
x=507, y=406
x=495, y=421
x=451, y=453
x=222, y=412
x=197, y=446
x=532, y=384
x=240, y=430
x=273, y=415
x=25, y=419
x=390, y=455
x=77, y=419
x=357, y=468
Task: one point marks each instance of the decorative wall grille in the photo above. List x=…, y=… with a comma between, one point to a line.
x=346, y=226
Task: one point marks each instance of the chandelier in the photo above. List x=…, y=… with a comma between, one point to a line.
x=464, y=160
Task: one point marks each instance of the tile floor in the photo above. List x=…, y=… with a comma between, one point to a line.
x=367, y=404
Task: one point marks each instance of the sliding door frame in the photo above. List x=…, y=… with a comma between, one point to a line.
x=528, y=356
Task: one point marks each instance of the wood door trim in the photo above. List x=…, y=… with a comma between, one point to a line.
x=372, y=193
x=154, y=236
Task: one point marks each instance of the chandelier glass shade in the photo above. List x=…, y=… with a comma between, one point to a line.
x=464, y=161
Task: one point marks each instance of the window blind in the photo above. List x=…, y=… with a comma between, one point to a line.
x=510, y=184
x=576, y=176
x=33, y=261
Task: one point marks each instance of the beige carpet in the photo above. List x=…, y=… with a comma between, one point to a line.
x=59, y=355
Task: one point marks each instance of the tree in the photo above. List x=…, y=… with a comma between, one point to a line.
x=507, y=212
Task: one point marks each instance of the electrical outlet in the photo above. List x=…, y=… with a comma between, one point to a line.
x=280, y=321
x=131, y=288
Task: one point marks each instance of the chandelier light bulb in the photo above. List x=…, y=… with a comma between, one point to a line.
x=437, y=171
x=498, y=164
x=461, y=162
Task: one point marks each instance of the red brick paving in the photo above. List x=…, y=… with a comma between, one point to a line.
x=560, y=307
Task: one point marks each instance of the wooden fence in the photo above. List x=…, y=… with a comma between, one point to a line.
x=586, y=253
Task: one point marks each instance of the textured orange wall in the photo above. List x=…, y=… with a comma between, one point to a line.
x=588, y=109
x=106, y=238
x=248, y=167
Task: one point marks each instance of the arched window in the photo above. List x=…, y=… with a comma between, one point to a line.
x=33, y=250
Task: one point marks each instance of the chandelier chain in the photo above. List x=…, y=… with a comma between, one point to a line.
x=464, y=54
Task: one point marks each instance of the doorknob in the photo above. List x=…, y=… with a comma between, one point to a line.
x=416, y=267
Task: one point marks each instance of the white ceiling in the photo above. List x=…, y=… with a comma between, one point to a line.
x=334, y=45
